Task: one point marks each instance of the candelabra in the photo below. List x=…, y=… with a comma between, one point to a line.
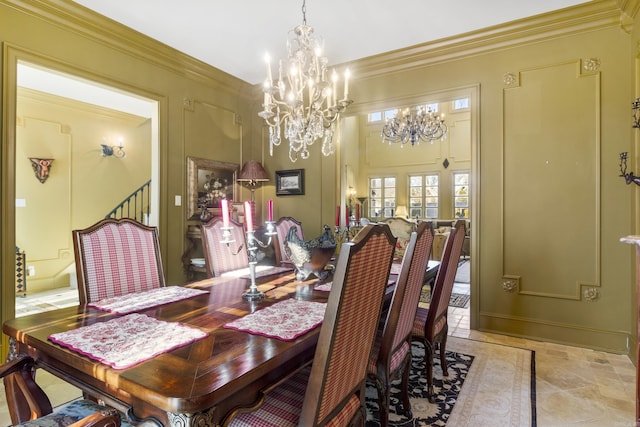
x=345, y=234
x=253, y=244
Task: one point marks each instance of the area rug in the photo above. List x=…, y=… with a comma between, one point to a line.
x=424, y=412
x=456, y=300
x=498, y=388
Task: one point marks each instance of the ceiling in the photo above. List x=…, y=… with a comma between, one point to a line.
x=235, y=35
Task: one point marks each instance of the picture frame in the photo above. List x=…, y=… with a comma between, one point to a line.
x=237, y=212
x=208, y=182
x=290, y=182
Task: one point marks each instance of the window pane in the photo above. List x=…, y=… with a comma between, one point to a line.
x=389, y=182
x=415, y=192
x=432, y=213
x=415, y=212
x=390, y=192
x=375, y=117
x=414, y=203
x=460, y=104
x=376, y=183
x=431, y=180
x=415, y=181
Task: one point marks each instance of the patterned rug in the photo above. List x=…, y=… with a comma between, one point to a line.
x=499, y=388
x=424, y=412
x=456, y=300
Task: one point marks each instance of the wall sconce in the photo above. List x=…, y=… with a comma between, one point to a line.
x=628, y=177
x=112, y=150
x=636, y=113
x=41, y=167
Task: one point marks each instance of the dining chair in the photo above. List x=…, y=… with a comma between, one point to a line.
x=391, y=355
x=220, y=258
x=283, y=225
x=117, y=257
x=331, y=391
x=430, y=326
x=29, y=406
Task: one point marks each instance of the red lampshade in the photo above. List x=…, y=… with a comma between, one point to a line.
x=252, y=174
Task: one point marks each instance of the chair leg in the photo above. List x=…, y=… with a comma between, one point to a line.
x=428, y=362
x=383, y=401
x=443, y=351
x=406, y=403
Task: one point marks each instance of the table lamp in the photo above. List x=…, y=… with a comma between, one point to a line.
x=252, y=176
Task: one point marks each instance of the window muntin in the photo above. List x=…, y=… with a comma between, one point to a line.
x=423, y=196
x=382, y=197
x=461, y=195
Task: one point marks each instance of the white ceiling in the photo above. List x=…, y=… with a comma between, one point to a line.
x=235, y=35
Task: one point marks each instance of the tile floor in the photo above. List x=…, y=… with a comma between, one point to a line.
x=574, y=386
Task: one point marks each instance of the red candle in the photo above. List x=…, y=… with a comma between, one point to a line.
x=270, y=210
x=225, y=212
x=357, y=213
x=248, y=215
x=338, y=216
x=346, y=216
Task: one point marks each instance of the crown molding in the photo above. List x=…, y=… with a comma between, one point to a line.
x=590, y=16
x=114, y=35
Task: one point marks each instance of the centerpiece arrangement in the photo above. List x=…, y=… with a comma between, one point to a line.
x=310, y=257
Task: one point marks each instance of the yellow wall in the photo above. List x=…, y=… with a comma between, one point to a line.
x=553, y=112
x=206, y=113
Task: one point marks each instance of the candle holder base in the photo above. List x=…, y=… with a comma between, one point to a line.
x=253, y=295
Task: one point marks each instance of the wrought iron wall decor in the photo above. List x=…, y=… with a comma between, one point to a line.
x=629, y=177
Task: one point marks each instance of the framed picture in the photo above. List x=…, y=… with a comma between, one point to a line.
x=208, y=182
x=237, y=212
x=290, y=182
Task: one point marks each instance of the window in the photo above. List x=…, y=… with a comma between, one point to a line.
x=382, y=193
x=423, y=196
x=461, y=104
x=461, y=194
x=375, y=117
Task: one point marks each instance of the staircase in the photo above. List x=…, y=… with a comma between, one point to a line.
x=136, y=206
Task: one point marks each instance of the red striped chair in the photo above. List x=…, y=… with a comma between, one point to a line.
x=220, y=258
x=430, y=326
x=331, y=391
x=116, y=257
x=391, y=355
x=283, y=225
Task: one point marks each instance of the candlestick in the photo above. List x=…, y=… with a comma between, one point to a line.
x=346, y=216
x=225, y=212
x=338, y=216
x=248, y=215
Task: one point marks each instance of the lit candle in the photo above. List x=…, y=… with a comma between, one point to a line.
x=270, y=210
x=267, y=59
x=338, y=216
x=225, y=212
x=248, y=215
x=346, y=83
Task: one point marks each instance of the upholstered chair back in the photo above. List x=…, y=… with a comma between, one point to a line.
x=283, y=225
x=117, y=257
x=220, y=257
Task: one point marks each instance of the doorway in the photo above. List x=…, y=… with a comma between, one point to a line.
x=68, y=121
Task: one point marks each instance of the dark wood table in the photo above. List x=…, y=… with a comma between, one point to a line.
x=193, y=385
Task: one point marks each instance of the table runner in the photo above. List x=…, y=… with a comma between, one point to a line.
x=128, y=340
x=285, y=320
x=137, y=301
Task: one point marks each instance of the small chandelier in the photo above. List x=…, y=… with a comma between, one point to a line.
x=424, y=126
x=303, y=102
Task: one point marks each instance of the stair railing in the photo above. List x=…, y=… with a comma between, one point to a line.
x=136, y=206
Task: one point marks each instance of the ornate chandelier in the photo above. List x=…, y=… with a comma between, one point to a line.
x=303, y=103
x=424, y=126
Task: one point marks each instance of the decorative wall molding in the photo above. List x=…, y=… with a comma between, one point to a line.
x=591, y=64
x=511, y=79
x=590, y=293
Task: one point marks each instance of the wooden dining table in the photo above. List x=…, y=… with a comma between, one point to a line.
x=197, y=384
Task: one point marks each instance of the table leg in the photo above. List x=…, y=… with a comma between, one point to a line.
x=200, y=419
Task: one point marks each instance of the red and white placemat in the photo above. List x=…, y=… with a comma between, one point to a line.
x=285, y=320
x=138, y=301
x=324, y=287
x=126, y=341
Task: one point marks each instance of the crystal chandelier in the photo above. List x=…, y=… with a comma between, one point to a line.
x=425, y=126
x=303, y=103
